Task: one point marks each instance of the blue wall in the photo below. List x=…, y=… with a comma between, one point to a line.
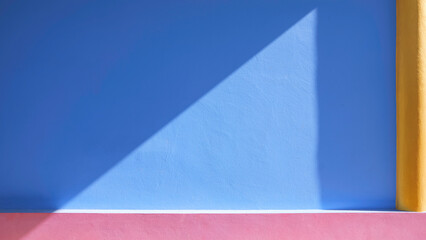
x=197, y=104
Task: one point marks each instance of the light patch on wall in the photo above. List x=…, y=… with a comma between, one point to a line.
x=249, y=143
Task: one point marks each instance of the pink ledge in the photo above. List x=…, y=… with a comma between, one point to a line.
x=312, y=226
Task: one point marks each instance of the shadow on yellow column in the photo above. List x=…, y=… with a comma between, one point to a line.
x=411, y=105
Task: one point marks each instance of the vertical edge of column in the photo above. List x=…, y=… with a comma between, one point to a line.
x=411, y=105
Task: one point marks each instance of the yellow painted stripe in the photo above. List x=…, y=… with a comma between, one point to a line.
x=411, y=105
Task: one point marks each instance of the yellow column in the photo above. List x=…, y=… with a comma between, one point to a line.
x=411, y=105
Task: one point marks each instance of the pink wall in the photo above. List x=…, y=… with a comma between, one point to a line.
x=310, y=226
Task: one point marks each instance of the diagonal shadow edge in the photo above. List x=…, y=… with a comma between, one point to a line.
x=45, y=201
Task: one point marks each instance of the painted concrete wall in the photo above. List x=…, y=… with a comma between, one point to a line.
x=197, y=104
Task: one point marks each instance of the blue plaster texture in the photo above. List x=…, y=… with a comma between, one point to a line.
x=197, y=104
